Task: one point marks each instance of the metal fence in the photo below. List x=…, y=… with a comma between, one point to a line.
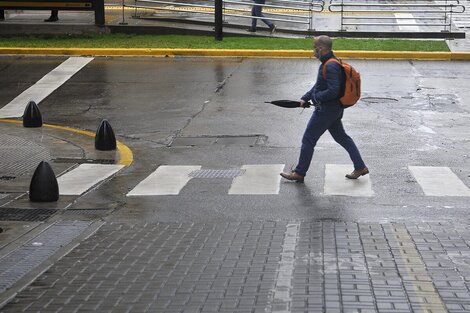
x=411, y=15
x=407, y=15
x=289, y=11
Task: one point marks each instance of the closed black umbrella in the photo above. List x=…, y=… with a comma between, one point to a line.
x=288, y=103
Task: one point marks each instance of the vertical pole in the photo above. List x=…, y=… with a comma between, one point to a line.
x=342, y=7
x=2, y=15
x=123, y=20
x=218, y=20
x=310, y=15
x=99, y=12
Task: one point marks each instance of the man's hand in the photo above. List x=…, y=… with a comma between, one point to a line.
x=302, y=103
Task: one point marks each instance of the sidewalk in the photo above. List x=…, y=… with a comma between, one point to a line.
x=319, y=266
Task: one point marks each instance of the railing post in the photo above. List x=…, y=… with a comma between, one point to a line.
x=123, y=20
x=342, y=8
x=218, y=20
x=99, y=12
x=310, y=15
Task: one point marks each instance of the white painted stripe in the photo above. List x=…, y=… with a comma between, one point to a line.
x=439, y=181
x=337, y=184
x=165, y=180
x=44, y=87
x=406, y=18
x=262, y=179
x=84, y=177
x=282, y=291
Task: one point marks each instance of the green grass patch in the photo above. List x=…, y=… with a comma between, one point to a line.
x=208, y=42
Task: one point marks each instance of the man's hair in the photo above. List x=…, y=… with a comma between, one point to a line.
x=325, y=42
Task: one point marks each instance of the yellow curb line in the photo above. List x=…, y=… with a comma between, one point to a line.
x=381, y=55
x=125, y=153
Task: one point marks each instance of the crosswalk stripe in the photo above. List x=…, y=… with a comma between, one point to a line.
x=337, y=184
x=439, y=181
x=257, y=179
x=44, y=87
x=165, y=180
x=84, y=177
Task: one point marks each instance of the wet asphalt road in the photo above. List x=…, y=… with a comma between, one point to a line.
x=413, y=113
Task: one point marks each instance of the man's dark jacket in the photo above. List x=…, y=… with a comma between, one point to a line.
x=327, y=91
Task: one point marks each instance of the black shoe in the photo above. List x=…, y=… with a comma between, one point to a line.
x=251, y=30
x=52, y=19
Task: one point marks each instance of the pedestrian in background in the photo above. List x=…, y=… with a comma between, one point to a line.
x=328, y=113
x=257, y=11
x=54, y=16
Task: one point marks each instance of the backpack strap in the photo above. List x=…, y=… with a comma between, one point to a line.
x=329, y=61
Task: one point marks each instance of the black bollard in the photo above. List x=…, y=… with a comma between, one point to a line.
x=44, y=187
x=32, y=116
x=105, y=139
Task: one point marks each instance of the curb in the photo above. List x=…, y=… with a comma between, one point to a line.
x=380, y=55
x=125, y=153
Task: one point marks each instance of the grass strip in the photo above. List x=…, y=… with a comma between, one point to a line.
x=208, y=42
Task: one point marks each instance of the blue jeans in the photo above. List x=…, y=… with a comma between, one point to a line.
x=328, y=117
x=258, y=11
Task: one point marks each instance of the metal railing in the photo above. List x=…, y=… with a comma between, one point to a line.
x=303, y=10
x=295, y=11
x=406, y=15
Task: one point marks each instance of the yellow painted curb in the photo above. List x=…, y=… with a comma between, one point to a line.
x=381, y=55
x=125, y=153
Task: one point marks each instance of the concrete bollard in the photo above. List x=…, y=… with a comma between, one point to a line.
x=105, y=139
x=32, y=116
x=44, y=187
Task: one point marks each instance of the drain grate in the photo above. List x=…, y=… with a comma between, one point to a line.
x=21, y=261
x=224, y=173
x=26, y=215
x=84, y=161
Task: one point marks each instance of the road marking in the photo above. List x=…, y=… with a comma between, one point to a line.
x=84, y=177
x=165, y=180
x=406, y=18
x=282, y=293
x=44, y=87
x=262, y=179
x=337, y=184
x=439, y=181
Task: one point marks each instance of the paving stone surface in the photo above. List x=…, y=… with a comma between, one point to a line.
x=259, y=267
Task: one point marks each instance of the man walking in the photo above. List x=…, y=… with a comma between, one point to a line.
x=257, y=11
x=328, y=112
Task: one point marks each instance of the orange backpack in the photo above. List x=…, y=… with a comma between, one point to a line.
x=352, y=85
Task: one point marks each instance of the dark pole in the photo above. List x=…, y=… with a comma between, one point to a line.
x=99, y=12
x=218, y=20
x=2, y=15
